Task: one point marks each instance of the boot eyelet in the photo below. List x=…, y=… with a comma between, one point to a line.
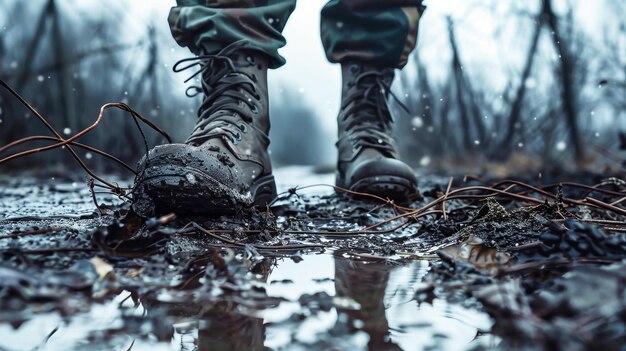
x=354, y=68
x=254, y=109
x=243, y=128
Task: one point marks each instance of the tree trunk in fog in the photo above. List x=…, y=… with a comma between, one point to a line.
x=516, y=107
x=567, y=81
x=456, y=69
x=67, y=107
x=29, y=58
x=448, y=142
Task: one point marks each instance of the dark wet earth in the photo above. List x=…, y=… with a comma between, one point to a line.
x=317, y=271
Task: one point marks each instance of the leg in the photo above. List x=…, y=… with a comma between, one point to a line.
x=370, y=39
x=379, y=33
x=224, y=164
x=208, y=26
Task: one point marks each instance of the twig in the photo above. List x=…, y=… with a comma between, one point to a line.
x=31, y=232
x=445, y=196
x=261, y=247
x=606, y=206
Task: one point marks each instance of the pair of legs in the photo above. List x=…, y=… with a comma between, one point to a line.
x=224, y=164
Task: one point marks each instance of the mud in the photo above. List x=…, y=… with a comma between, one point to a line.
x=494, y=273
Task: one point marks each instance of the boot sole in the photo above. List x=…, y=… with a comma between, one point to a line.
x=386, y=186
x=197, y=193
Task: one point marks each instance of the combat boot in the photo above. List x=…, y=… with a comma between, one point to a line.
x=367, y=151
x=224, y=164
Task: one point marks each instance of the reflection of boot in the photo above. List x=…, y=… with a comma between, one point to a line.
x=224, y=163
x=222, y=328
x=368, y=158
x=365, y=283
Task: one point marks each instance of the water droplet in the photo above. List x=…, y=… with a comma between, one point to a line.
x=430, y=129
x=14, y=64
x=425, y=161
x=301, y=90
x=561, y=145
x=88, y=156
x=67, y=131
x=270, y=20
x=597, y=135
x=40, y=78
x=417, y=122
x=190, y=178
x=520, y=144
x=339, y=24
x=476, y=142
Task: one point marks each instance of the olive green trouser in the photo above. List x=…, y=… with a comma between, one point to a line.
x=376, y=32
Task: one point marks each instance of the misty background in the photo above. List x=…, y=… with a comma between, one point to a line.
x=520, y=83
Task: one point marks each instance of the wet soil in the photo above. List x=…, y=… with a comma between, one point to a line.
x=319, y=270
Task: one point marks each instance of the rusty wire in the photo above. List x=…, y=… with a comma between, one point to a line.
x=71, y=141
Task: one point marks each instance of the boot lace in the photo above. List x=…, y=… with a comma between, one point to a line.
x=367, y=112
x=222, y=113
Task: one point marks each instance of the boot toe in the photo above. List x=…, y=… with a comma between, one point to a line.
x=185, y=178
x=385, y=177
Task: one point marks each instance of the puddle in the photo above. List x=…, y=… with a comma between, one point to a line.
x=353, y=305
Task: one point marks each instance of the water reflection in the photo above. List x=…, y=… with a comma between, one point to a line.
x=372, y=307
x=223, y=328
x=324, y=302
x=365, y=282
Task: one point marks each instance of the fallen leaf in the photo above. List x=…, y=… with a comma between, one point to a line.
x=476, y=253
x=102, y=267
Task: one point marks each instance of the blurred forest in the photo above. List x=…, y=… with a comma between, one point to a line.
x=546, y=114
x=68, y=60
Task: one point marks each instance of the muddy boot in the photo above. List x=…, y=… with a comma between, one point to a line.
x=368, y=157
x=224, y=165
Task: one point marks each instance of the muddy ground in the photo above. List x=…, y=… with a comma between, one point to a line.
x=525, y=265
